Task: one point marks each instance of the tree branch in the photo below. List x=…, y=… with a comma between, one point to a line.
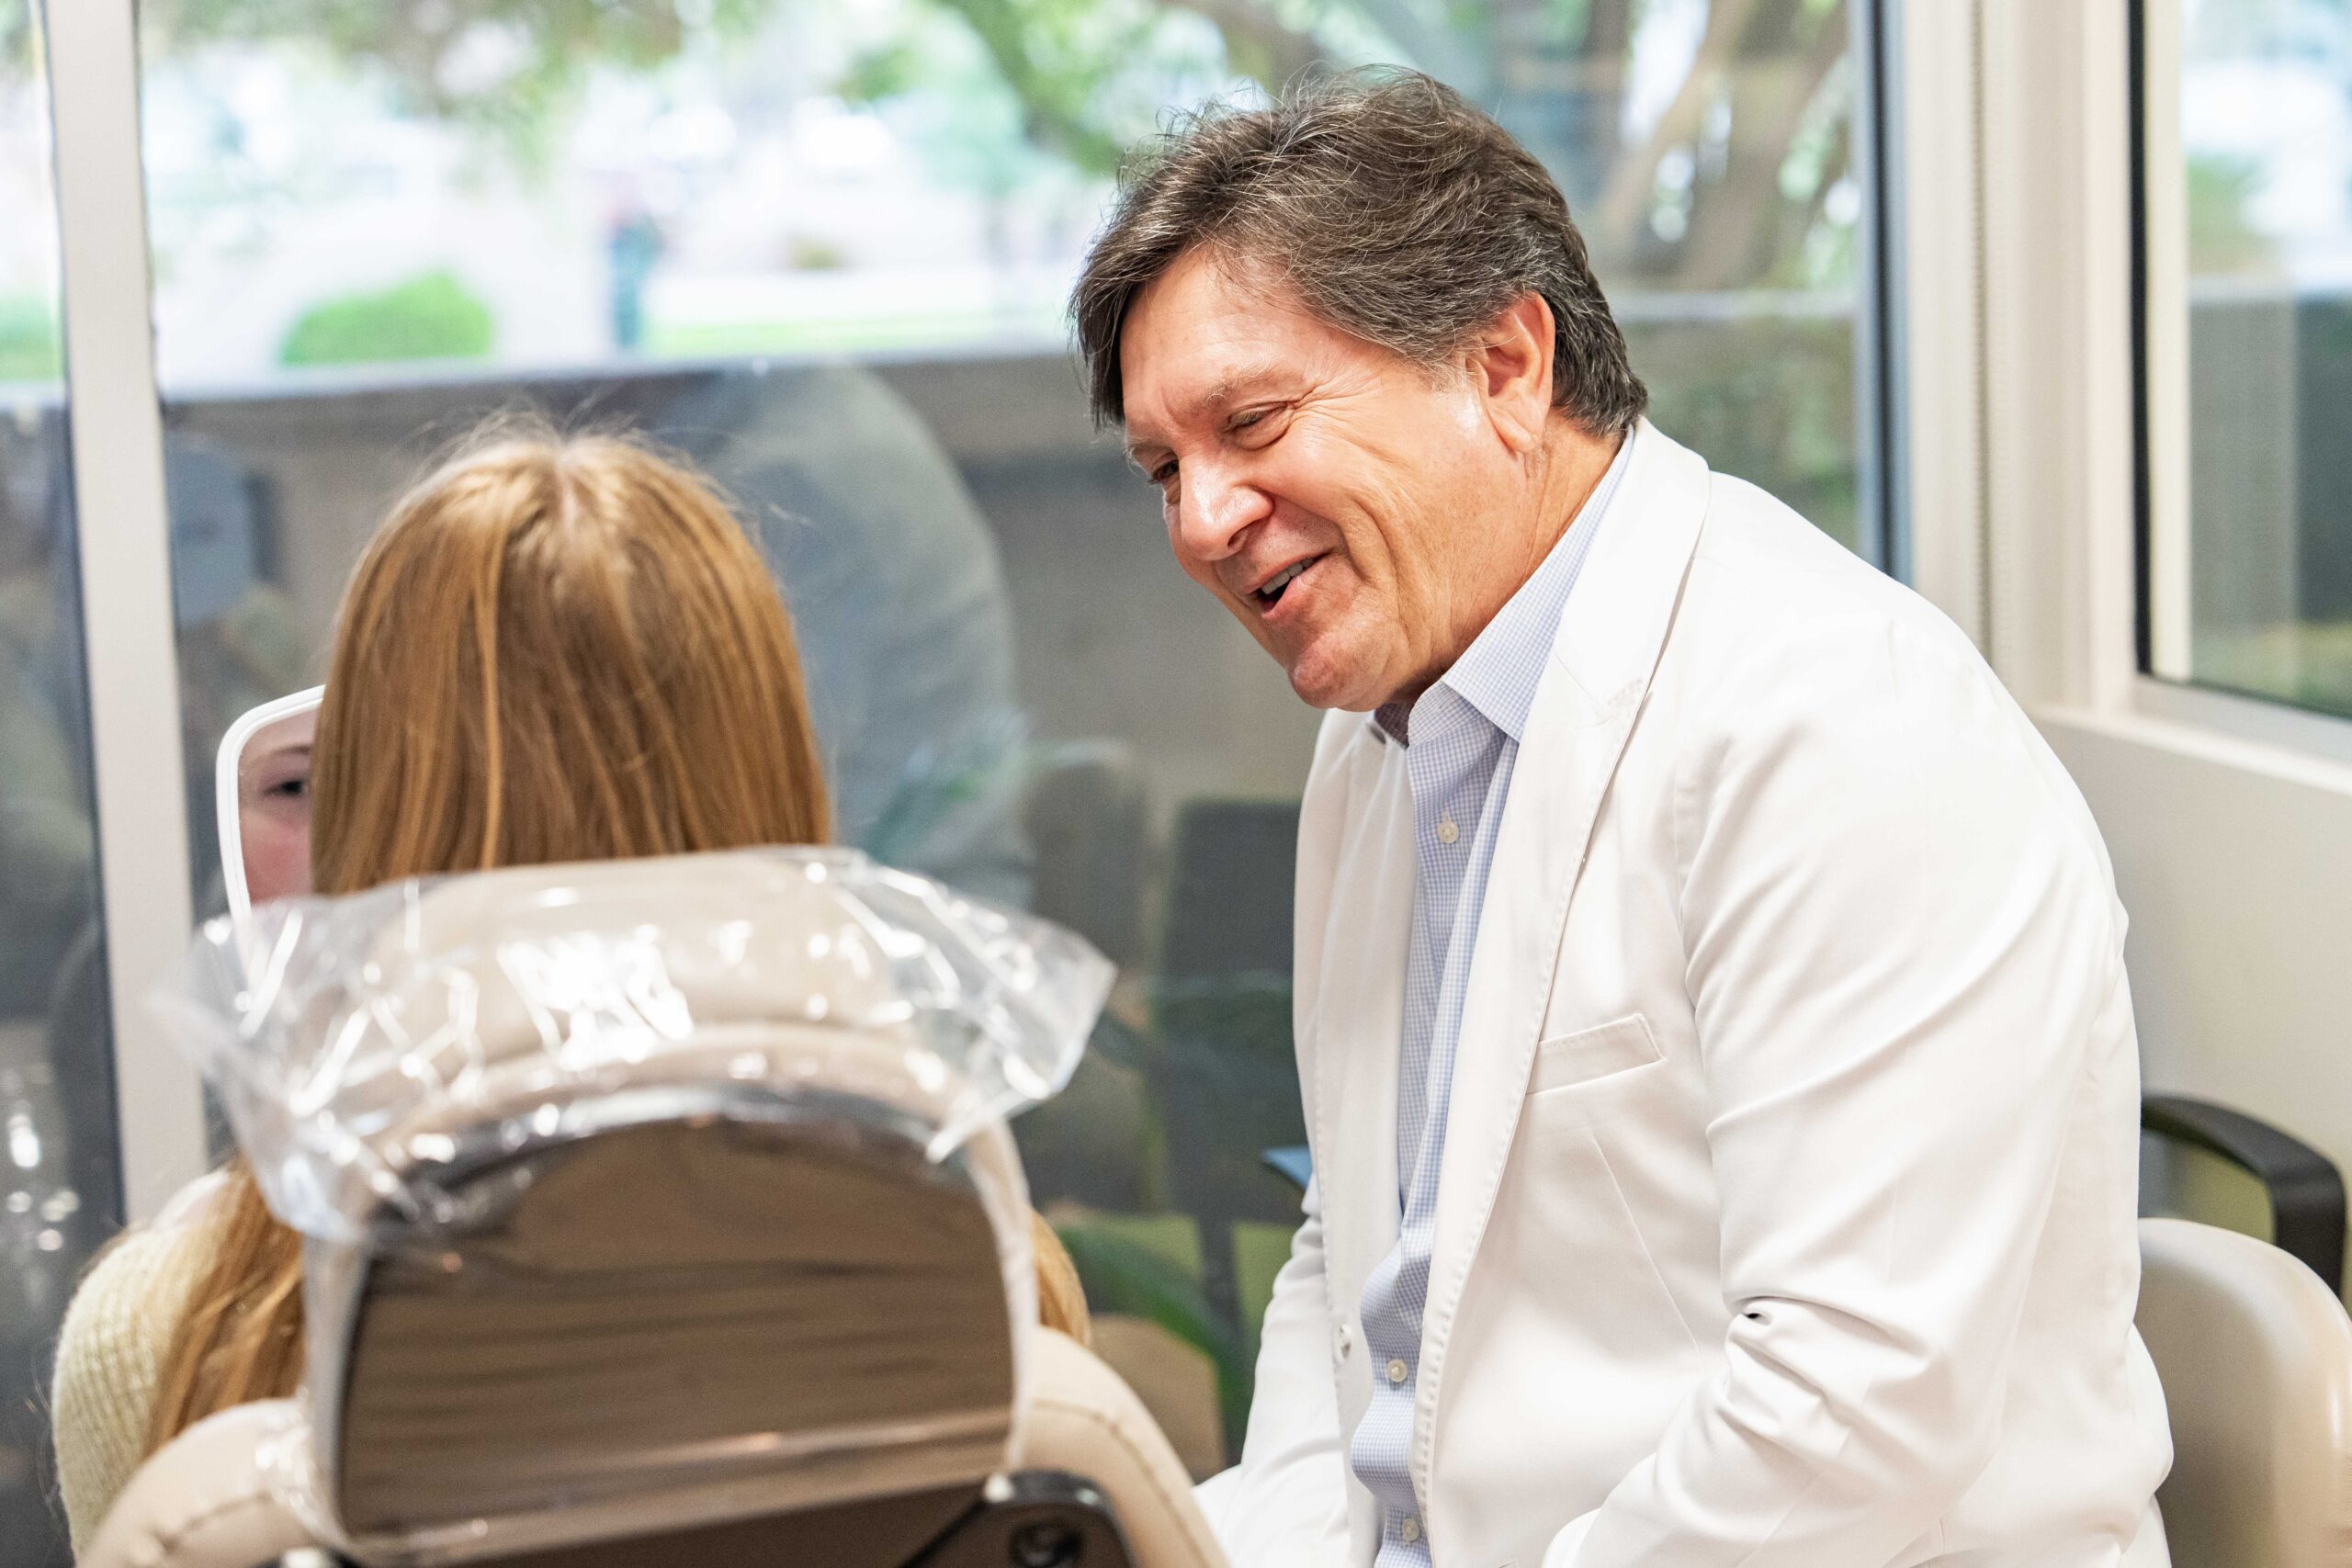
x=1733, y=217
x=1256, y=43
x=1625, y=201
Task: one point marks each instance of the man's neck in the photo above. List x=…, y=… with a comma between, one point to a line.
x=1571, y=467
x=1575, y=463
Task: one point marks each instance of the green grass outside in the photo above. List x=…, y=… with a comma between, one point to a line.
x=31, y=347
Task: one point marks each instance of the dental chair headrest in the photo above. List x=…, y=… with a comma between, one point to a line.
x=645, y=1192
x=523, y=992
x=348, y=1036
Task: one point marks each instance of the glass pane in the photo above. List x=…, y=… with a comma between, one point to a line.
x=59, y=1176
x=824, y=246
x=2265, y=123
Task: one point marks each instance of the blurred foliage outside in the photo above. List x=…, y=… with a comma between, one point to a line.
x=2269, y=202
x=2307, y=664
x=1767, y=397
x=1707, y=147
x=430, y=316
x=30, y=347
x=2222, y=239
x=1728, y=180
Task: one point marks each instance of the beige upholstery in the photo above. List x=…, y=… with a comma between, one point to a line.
x=207, y=1500
x=2255, y=1355
x=1084, y=1420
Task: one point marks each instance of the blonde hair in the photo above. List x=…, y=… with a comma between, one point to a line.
x=553, y=649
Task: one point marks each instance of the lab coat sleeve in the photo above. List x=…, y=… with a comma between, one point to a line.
x=1285, y=1506
x=1902, y=948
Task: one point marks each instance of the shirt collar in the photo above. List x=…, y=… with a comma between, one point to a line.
x=1497, y=674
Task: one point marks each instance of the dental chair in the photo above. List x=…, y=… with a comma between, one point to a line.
x=2254, y=1352
x=2256, y=1358
x=658, y=1213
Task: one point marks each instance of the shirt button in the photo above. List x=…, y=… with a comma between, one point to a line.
x=1397, y=1370
x=1410, y=1531
x=1446, y=831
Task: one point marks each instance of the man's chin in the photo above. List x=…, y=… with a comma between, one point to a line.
x=1331, y=683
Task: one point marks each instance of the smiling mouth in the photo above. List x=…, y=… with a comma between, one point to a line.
x=1277, y=585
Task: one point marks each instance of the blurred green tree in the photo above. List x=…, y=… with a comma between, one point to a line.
x=506, y=64
x=1723, y=186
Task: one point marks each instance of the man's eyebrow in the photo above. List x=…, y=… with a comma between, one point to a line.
x=1234, y=385
x=1230, y=389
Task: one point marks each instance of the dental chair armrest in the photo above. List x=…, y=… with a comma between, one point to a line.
x=1084, y=1421
x=207, y=1499
x=2306, y=1191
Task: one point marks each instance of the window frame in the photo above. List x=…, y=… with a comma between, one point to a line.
x=2227, y=819
x=125, y=571
x=2165, y=686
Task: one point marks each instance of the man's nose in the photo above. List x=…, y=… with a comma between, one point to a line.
x=1215, y=510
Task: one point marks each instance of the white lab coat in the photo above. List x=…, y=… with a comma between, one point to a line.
x=1786, y=1217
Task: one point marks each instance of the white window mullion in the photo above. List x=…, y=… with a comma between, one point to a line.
x=2164, y=254
x=1941, y=251
x=125, y=557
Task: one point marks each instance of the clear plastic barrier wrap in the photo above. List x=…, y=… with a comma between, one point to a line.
x=349, y=1039
x=680, y=1180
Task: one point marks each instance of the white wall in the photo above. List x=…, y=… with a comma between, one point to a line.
x=2236, y=868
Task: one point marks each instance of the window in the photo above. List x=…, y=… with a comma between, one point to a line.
x=825, y=248
x=2246, y=281
x=59, y=1194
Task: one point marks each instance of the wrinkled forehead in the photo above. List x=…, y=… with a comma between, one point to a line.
x=1211, y=332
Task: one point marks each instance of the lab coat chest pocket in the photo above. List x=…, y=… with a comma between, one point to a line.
x=1587, y=1057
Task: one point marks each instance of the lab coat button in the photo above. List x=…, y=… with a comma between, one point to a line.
x=1344, y=1339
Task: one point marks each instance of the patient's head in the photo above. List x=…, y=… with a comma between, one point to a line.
x=559, y=649
x=556, y=649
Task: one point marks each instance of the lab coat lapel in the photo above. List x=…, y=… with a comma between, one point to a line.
x=1586, y=702
x=1358, y=1022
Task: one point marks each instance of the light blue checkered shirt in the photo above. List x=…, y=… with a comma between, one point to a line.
x=1461, y=738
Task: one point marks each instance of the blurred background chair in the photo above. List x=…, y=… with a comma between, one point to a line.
x=1222, y=1064
x=2302, y=1190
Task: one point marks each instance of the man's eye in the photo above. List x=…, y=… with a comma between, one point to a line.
x=1267, y=424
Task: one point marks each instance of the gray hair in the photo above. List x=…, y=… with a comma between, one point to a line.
x=1397, y=211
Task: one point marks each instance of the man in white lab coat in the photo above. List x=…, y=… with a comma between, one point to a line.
x=1711, y=1009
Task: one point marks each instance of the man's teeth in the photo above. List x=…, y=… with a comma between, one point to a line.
x=1274, y=586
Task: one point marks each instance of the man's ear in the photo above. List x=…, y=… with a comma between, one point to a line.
x=1510, y=366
